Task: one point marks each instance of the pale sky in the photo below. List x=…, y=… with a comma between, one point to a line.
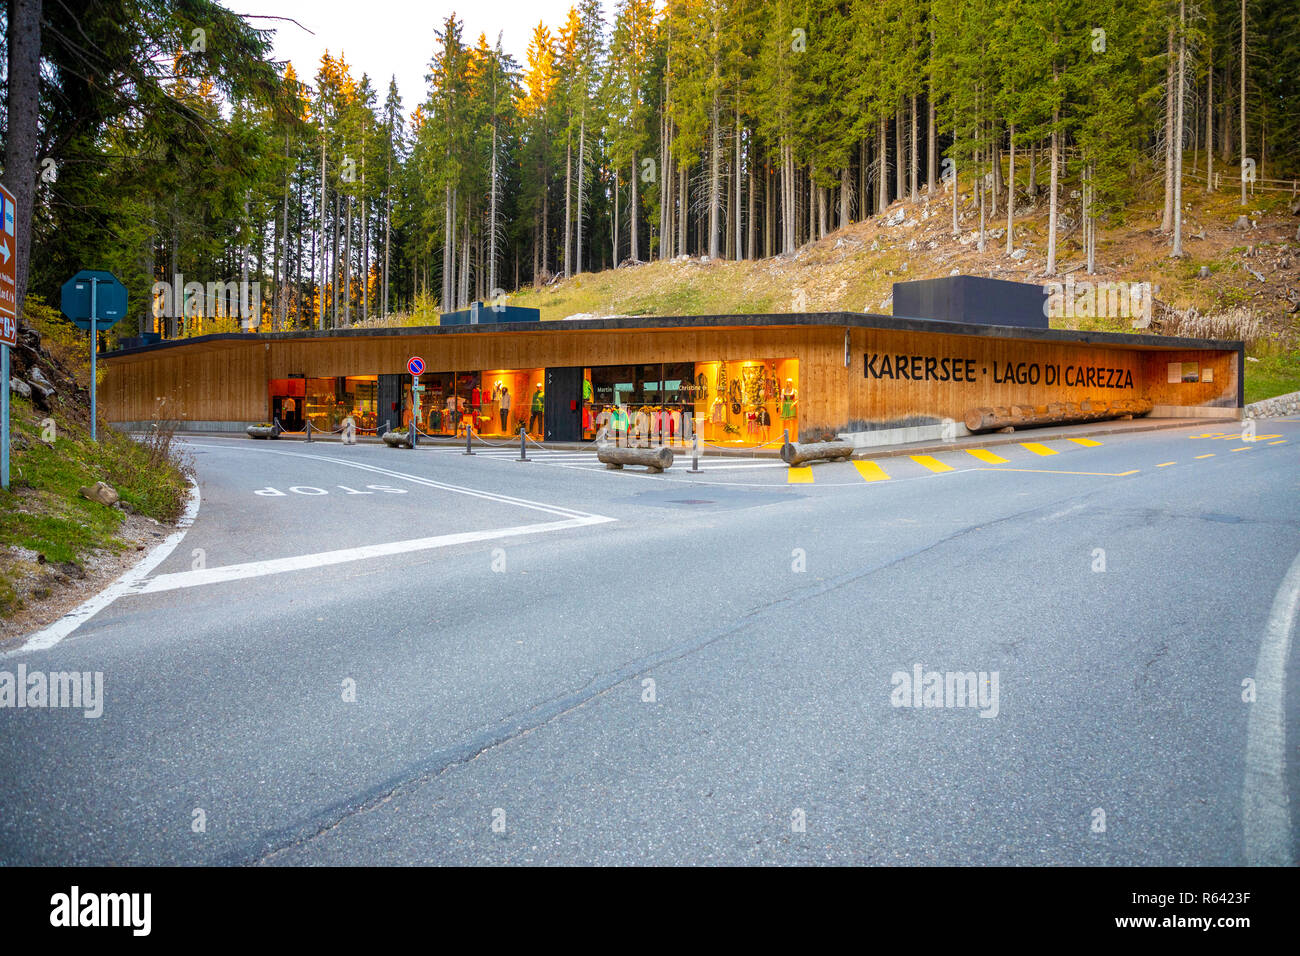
x=395, y=37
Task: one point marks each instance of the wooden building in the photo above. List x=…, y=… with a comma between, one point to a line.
x=739, y=380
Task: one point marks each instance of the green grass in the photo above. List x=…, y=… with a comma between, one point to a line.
x=43, y=510
x=1272, y=375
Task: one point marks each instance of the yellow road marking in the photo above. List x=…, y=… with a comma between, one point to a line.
x=987, y=456
x=1261, y=438
x=1242, y=448
x=800, y=476
x=927, y=461
x=1049, y=471
x=1166, y=464
x=1085, y=442
x=1210, y=455
x=1038, y=448
x=1282, y=442
x=870, y=471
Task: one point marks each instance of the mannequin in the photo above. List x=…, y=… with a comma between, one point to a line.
x=538, y=410
x=503, y=407
x=789, y=400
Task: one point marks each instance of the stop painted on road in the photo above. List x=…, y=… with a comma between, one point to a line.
x=311, y=491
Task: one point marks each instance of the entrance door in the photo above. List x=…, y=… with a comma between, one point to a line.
x=390, y=399
x=563, y=402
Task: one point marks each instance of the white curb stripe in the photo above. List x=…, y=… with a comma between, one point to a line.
x=127, y=583
x=1266, y=818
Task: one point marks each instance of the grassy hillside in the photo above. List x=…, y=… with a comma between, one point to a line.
x=49, y=534
x=1253, y=291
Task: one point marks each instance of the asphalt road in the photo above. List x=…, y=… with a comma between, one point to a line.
x=421, y=657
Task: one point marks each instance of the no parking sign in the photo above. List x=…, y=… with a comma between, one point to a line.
x=415, y=365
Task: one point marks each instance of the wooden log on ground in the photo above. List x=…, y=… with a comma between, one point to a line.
x=616, y=456
x=397, y=439
x=1057, y=413
x=793, y=453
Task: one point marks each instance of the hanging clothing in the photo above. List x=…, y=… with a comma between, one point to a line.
x=718, y=412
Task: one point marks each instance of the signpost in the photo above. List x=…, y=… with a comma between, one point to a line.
x=8, y=316
x=415, y=365
x=94, y=301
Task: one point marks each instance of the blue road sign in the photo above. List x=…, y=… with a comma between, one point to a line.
x=100, y=290
x=416, y=365
x=92, y=296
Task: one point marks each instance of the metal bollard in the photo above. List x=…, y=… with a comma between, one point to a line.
x=695, y=457
x=469, y=437
x=309, y=431
x=523, y=443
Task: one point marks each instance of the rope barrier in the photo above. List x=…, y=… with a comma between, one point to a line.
x=494, y=444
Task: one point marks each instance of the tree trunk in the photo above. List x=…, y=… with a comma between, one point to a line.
x=582, y=166
x=683, y=212
x=753, y=231
x=546, y=226
x=633, y=226
x=1051, y=203
x=365, y=239
x=568, y=203
x=915, y=151
x=1209, y=117
x=882, y=146
x=1241, y=98
x=347, y=267
x=449, y=237
x=715, y=197
x=320, y=288
x=1177, y=250
x=931, y=144
x=492, y=219
x=735, y=175
x=614, y=237
x=1011, y=192
x=900, y=155
x=1167, y=220
x=846, y=195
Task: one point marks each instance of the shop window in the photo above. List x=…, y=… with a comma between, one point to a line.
x=747, y=403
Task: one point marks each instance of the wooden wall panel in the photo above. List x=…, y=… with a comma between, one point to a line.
x=881, y=400
x=227, y=380
x=1221, y=391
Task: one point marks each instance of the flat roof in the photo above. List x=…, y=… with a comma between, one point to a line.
x=860, y=320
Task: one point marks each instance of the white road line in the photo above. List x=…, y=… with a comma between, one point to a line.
x=1266, y=818
x=556, y=510
x=254, y=569
x=128, y=582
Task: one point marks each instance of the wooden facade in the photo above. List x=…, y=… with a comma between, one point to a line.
x=934, y=371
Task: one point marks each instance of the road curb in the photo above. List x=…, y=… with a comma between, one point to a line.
x=880, y=451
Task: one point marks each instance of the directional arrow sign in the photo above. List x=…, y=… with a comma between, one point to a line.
x=8, y=316
x=8, y=268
